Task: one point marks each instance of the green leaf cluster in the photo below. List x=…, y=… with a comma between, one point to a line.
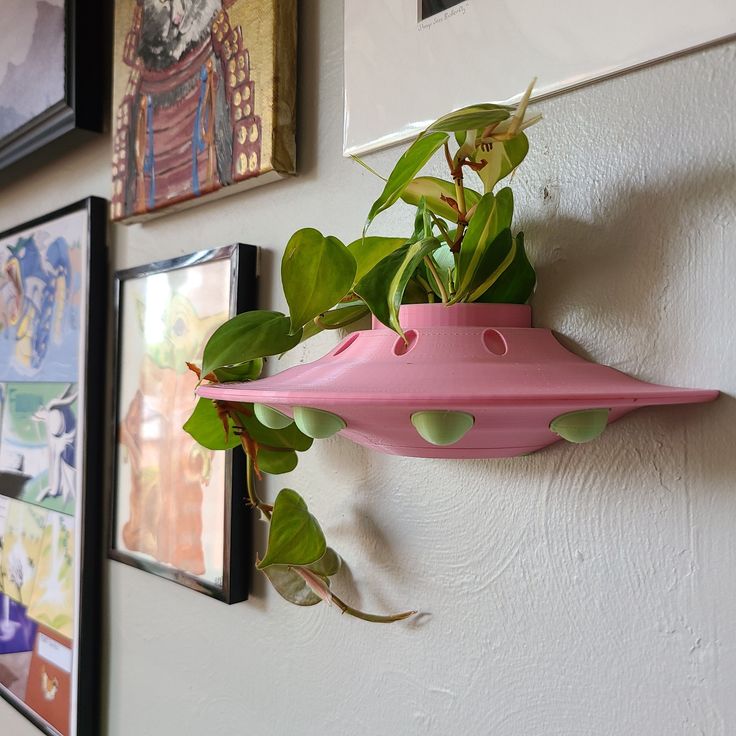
x=296, y=541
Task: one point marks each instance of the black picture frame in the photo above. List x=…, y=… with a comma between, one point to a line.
x=84, y=712
x=86, y=31
x=237, y=552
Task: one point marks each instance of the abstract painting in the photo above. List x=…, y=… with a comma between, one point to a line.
x=50, y=72
x=52, y=276
x=172, y=503
x=204, y=100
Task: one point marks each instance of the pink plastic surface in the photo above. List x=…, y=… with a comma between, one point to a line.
x=484, y=359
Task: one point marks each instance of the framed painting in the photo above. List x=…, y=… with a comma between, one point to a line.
x=454, y=53
x=53, y=273
x=204, y=101
x=51, y=72
x=178, y=509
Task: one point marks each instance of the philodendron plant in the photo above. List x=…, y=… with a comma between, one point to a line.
x=461, y=249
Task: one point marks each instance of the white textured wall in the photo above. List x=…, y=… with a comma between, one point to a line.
x=581, y=591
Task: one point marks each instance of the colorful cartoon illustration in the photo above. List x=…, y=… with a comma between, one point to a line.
x=49, y=685
x=33, y=298
x=61, y=432
x=24, y=527
x=37, y=443
x=52, y=599
x=167, y=470
x=48, y=691
x=186, y=124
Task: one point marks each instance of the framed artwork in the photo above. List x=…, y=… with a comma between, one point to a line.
x=53, y=273
x=204, y=100
x=453, y=53
x=178, y=510
x=51, y=72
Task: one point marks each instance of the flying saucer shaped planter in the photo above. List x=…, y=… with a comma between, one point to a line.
x=470, y=381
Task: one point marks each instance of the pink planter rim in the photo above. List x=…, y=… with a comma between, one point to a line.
x=412, y=316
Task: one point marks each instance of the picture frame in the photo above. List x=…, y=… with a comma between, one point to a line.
x=51, y=85
x=178, y=510
x=453, y=53
x=204, y=101
x=53, y=298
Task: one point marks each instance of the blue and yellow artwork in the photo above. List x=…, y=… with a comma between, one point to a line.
x=40, y=277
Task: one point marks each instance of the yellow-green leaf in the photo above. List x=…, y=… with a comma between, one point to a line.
x=433, y=189
x=501, y=158
x=492, y=215
x=383, y=287
x=407, y=167
x=473, y=117
x=370, y=250
x=295, y=536
x=316, y=272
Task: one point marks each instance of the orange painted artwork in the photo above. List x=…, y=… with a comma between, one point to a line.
x=170, y=506
x=204, y=100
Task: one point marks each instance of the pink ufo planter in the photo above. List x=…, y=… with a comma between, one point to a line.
x=473, y=381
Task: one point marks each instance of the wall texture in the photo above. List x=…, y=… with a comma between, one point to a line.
x=583, y=590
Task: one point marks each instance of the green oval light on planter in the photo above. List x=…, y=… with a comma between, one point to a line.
x=317, y=423
x=270, y=417
x=442, y=427
x=580, y=426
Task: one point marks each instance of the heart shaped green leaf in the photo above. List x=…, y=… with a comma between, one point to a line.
x=433, y=189
x=246, y=337
x=516, y=284
x=316, y=272
x=407, y=167
x=492, y=215
x=277, y=461
x=295, y=536
x=205, y=426
x=370, y=250
x=383, y=287
x=496, y=259
x=327, y=565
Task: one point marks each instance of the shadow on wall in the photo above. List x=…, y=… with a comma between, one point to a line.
x=633, y=246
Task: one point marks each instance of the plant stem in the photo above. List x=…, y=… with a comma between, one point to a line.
x=440, y=286
x=443, y=228
x=372, y=617
x=427, y=288
x=457, y=176
x=368, y=168
x=256, y=502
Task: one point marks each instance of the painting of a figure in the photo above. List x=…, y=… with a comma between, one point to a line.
x=176, y=506
x=170, y=502
x=203, y=99
x=31, y=61
x=40, y=276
